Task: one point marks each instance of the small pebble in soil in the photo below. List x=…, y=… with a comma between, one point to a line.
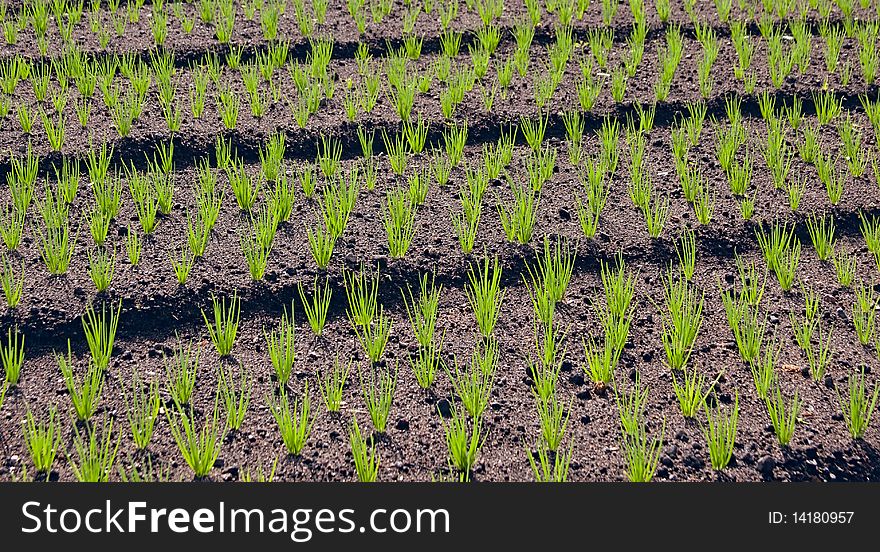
x=444, y=408
x=766, y=465
x=694, y=462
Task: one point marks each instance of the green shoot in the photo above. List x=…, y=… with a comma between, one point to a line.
x=42, y=439
x=142, y=404
x=783, y=417
x=85, y=394
x=236, y=398
x=422, y=313
x=859, y=405
x=464, y=439
x=181, y=372
x=100, y=332
x=720, y=433
x=294, y=424
x=12, y=356
x=316, y=307
x=225, y=326
x=281, y=345
x=361, y=290
x=332, y=383
x=689, y=391
x=378, y=393
x=485, y=296
x=96, y=457
x=366, y=459
x=642, y=454
x=200, y=448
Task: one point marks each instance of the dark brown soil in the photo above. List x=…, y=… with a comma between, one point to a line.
x=156, y=309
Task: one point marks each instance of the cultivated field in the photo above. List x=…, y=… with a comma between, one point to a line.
x=448, y=240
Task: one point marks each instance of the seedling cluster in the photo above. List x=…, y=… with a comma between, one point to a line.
x=438, y=239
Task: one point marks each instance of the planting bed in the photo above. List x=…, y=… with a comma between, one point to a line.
x=730, y=207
